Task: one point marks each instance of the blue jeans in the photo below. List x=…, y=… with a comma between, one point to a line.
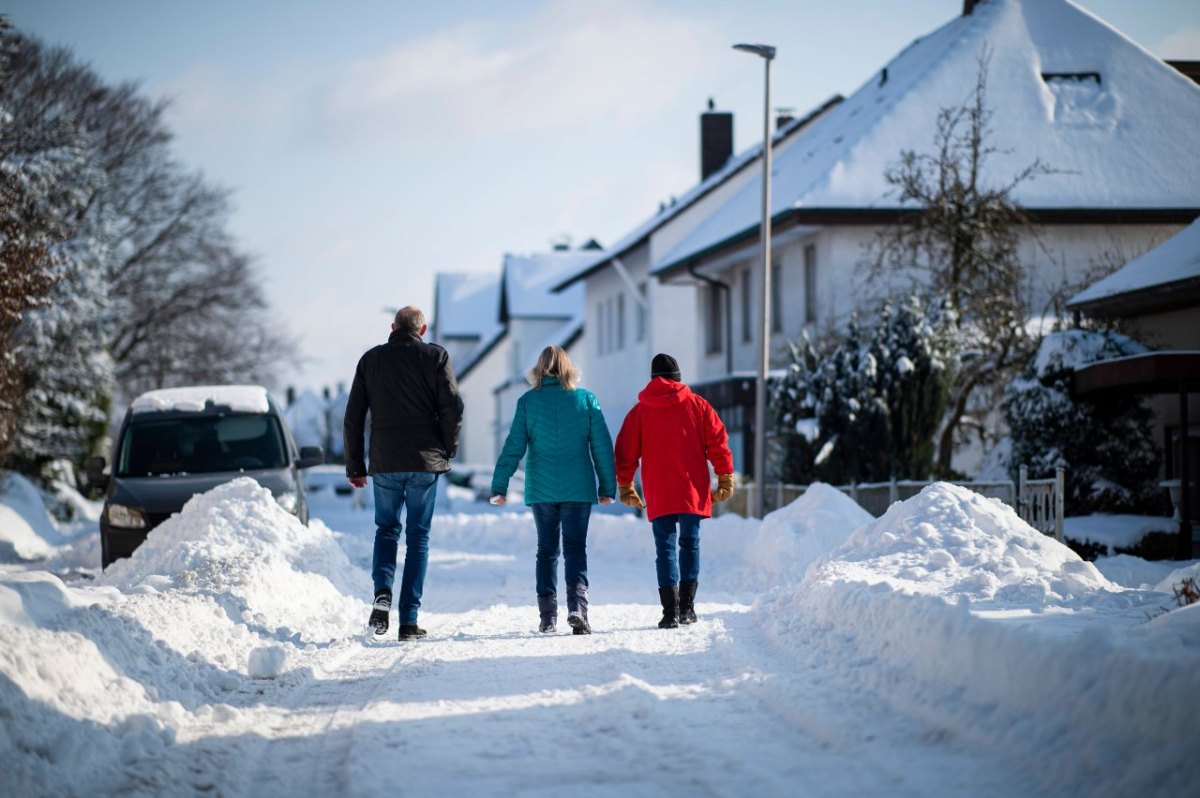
x=683, y=528
x=572, y=519
x=416, y=491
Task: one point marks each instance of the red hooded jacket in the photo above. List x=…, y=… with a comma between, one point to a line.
x=675, y=434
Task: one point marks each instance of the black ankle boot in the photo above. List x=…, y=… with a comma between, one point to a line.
x=548, y=610
x=379, y=612
x=669, y=596
x=687, y=602
x=577, y=609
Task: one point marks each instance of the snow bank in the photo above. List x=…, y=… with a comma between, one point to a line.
x=991, y=629
x=951, y=542
x=1115, y=531
x=25, y=526
x=237, y=545
x=754, y=557
x=241, y=398
x=94, y=680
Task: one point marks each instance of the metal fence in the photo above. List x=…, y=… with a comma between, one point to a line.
x=1038, y=501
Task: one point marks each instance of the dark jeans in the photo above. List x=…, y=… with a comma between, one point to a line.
x=572, y=519
x=416, y=491
x=683, y=528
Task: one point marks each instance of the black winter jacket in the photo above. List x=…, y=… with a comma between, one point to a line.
x=416, y=412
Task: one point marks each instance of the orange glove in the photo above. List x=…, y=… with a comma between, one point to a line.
x=630, y=497
x=724, y=488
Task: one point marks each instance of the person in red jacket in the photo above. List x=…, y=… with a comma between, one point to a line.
x=674, y=434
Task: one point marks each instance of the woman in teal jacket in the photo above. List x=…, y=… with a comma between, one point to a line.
x=562, y=430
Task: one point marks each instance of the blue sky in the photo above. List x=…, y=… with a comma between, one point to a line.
x=372, y=144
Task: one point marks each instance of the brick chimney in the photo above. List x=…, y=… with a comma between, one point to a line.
x=716, y=139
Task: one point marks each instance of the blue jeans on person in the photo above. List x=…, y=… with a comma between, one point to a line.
x=684, y=529
x=417, y=492
x=571, y=519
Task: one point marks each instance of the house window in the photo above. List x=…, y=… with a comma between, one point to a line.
x=640, y=329
x=608, y=326
x=599, y=328
x=776, y=296
x=746, y=307
x=620, y=321
x=810, y=284
x=713, y=325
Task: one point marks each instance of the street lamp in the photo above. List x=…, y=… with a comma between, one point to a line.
x=767, y=53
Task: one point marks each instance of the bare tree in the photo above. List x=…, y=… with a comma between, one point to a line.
x=960, y=246
x=184, y=302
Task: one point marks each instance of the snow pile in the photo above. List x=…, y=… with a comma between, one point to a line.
x=25, y=526
x=240, y=398
x=97, y=680
x=265, y=568
x=1004, y=636
x=951, y=542
x=754, y=557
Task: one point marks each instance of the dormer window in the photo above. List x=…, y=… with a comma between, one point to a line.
x=1075, y=77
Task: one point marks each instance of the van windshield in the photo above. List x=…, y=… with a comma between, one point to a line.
x=201, y=445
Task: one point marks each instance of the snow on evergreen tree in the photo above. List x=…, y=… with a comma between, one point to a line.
x=867, y=405
x=1106, y=443
x=59, y=406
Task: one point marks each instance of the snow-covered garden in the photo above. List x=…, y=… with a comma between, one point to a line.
x=943, y=649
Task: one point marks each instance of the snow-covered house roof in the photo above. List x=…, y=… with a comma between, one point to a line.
x=1168, y=275
x=465, y=305
x=1115, y=123
x=702, y=189
x=526, y=284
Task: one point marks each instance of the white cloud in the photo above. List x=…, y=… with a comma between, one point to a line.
x=1183, y=44
x=575, y=63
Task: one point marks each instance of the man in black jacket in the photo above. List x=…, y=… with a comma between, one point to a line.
x=416, y=414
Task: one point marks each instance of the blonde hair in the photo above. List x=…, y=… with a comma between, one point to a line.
x=554, y=362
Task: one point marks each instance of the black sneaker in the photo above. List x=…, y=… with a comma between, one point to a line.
x=579, y=623
x=410, y=631
x=379, y=612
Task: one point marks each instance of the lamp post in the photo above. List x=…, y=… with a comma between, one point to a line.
x=767, y=53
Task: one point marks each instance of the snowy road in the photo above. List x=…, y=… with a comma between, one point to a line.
x=487, y=706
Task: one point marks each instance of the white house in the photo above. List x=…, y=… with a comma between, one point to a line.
x=1156, y=299
x=630, y=316
x=494, y=327
x=535, y=317
x=1116, y=124
x=466, y=321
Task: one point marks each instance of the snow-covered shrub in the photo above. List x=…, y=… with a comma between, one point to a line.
x=1105, y=442
x=867, y=406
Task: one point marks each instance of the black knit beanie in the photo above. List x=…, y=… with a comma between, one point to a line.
x=665, y=366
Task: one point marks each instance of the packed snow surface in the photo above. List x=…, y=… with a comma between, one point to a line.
x=241, y=398
x=943, y=649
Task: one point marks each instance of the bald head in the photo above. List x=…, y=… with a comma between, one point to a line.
x=410, y=319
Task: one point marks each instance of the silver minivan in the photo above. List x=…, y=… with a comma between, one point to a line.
x=178, y=442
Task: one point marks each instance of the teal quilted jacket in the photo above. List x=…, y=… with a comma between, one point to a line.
x=566, y=444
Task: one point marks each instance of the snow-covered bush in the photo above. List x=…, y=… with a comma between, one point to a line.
x=1105, y=442
x=867, y=406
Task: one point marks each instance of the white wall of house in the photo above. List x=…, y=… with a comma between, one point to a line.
x=1054, y=255
x=616, y=358
x=477, y=441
